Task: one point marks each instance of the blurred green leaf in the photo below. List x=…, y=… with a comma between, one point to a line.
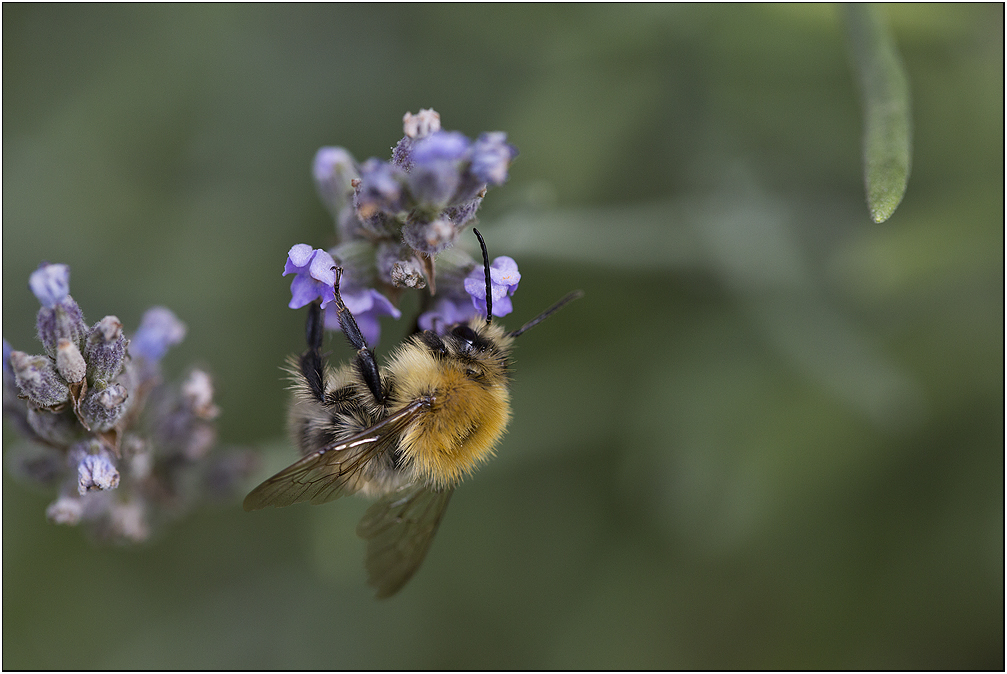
x=887, y=118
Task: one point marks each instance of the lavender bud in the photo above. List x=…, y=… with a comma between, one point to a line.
x=65, y=510
x=38, y=380
x=159, y=329
x=397, y=266
x=96, y=472
x=402, y=153
x=416, y=127
x=129, y=521
x=58, y=428
x=197, y=392
x=50, y=283
x=437, y=165
x=407, y=274
x=69, y=363
x=461, y=214
x=62, y=321
x=199, y=441
x=429, y=237
x=379, y=189
x=105, y=349
x=334, y=170
x=102, y=408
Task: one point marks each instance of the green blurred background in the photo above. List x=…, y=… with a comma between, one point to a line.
x=771, y=434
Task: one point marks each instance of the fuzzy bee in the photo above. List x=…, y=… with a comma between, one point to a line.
x=407, y=432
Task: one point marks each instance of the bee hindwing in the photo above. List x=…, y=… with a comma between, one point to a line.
x=399, y=529
x=335, y=470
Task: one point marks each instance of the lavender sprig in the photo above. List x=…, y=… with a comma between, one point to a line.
x=398, y=219
x=125, y=450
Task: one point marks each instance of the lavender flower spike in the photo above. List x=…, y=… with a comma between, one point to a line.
x=504, y=279
x=314, y=275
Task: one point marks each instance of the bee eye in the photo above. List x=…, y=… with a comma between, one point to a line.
x=465, y=333
x=433, y=342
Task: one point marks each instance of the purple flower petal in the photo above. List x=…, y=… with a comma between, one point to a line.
x=96, y=472
x=303, y=291
x=447, y=311
x=159, y=329
x=366, y=305
x=441, y=146
x=50, y=283
x=333, y=170
x=314, y=275
x=504, y=279
x=491, y=157
x=298, y=258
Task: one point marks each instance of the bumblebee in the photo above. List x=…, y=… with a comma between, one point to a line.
x=407, y=432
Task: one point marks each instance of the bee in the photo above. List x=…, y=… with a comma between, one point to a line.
x=407, y=432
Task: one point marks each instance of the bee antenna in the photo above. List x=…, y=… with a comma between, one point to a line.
x=486, y=268
x=576, y=294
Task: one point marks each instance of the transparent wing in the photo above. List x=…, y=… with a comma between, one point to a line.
x=335, y=470
x=399, y=529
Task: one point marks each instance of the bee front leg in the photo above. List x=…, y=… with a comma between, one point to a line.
x=365, y=362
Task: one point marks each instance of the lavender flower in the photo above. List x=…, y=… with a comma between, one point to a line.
x=314, y=275
x=366, y=305
x=491, y=157
x=99, y=418
x=380, y=189
x=159, y=329
x=504, y=279
x=334, y=171
x=447, y=311
x=50, y=283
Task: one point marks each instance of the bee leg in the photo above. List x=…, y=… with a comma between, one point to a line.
x=365, y=362
x=311, y=360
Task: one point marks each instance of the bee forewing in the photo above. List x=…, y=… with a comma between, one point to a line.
x=333, y=471
x=399, y=529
